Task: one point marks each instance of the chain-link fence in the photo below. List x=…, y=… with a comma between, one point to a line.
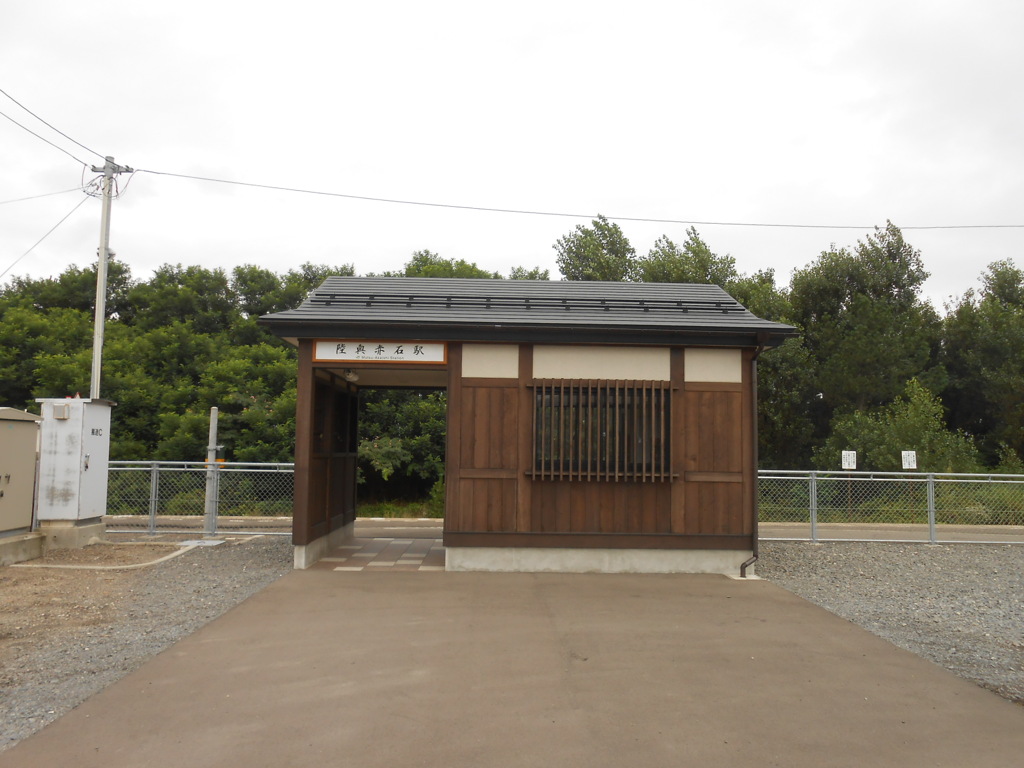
x=888, y=505
x=196, y=496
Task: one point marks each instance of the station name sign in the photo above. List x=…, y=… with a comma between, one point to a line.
x=371, y=351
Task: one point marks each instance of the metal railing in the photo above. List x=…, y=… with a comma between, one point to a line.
x=196, y=495
x=817, y=506
x=889, y=506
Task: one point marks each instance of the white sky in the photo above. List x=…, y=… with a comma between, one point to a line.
x=842, y=113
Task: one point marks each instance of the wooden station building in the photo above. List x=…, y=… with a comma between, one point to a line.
x=591, y=426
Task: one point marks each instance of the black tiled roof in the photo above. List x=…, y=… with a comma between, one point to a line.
x=524, y=310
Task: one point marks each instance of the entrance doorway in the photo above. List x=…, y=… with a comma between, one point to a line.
x=402, y=434
x=328, y=438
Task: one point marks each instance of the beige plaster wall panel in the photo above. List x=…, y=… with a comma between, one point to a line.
x=609, y=363
x=490, y=361
x=714, y=365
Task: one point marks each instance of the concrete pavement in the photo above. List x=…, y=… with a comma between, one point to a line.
x=381, y=667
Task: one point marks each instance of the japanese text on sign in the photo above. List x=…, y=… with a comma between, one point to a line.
x=362, y=350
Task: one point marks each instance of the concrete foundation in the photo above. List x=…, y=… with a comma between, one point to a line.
x=20, y=547
x=544, y=560
x=307, y=554
x=71, y=534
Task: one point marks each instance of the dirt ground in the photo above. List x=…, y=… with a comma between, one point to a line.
x=56, y=602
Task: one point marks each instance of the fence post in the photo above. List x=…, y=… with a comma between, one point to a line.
x=212, y=495
x=154, y=493
x=212, y=498
x=931, y=510
x=814, y=506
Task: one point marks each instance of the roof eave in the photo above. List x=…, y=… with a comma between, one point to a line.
x=754, y=336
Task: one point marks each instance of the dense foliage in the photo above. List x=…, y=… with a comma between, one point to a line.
x=875, y=369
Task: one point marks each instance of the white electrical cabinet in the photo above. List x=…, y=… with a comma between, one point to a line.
x=73, y=455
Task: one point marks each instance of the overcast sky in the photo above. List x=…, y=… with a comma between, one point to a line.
x=812, y=113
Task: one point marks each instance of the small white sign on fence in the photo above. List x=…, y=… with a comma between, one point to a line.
x=910, y=459
x=849, y=459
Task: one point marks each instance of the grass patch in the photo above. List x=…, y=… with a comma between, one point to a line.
x=398, y=509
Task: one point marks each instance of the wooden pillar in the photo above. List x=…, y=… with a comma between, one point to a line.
x=453, y=439
x=304, y=400
x=524, y=519
x=678, y=440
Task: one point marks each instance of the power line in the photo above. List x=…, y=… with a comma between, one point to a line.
x=54, y=227
x=691, y=222
x=48, y=125
x=36, y=197
x=4, y=114
x=393, y=201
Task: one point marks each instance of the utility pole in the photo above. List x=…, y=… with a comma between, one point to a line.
x=108, y=170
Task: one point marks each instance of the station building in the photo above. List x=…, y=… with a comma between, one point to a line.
x=591, y=426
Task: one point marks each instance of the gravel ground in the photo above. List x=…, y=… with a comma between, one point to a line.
x=122, y=619
x=962, y=606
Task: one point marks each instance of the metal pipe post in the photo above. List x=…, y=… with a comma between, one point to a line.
x=154, y=494
x=211, y=477
x=814, y=505
x=931, y=510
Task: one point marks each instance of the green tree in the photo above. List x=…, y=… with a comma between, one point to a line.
x=1003, y=283
x=429, y=264
x=402, y=441
x=75, y=288
x=914, y=422
x=598, y=252
x=201, y=297
x=785, y=397
x=257, y=290
x=693, y=262
x=759, y=293
x=865, y=325
x=983, y=351
x=522, y=273
x=32, y=341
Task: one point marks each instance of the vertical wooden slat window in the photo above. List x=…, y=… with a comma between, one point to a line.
x=602, y=430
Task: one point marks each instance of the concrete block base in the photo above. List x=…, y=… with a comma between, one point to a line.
x=307, y=554
x=20, y=547
x=71, y=534
x=543, y=560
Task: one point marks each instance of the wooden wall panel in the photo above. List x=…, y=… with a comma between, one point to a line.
x=342, y=503
x=486, y=505
x=715, y=476
x=484, y=480
x=600, y=507
x=712, y=431
x=489, y=427
x=315, y=504
x=716, y=508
